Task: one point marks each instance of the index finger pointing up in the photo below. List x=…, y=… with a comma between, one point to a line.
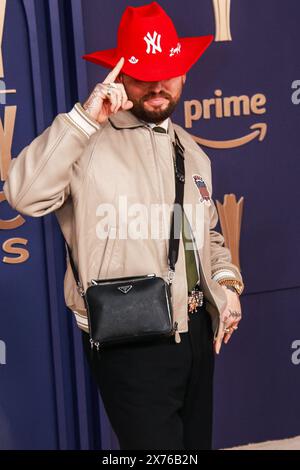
x=114, y=72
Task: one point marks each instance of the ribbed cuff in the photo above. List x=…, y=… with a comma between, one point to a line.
x=224, y=274
x=81, y=119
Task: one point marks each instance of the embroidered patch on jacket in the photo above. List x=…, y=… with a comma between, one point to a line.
x=203, y=191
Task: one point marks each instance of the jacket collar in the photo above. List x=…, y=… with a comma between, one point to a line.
x=127, y=120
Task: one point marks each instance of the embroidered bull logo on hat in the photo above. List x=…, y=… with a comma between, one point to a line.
x=203, y=191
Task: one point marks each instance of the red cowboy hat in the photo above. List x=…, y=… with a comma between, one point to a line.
x=149, y=43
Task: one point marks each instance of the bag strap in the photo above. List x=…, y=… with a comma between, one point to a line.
x=74, y=269
x=174, y=241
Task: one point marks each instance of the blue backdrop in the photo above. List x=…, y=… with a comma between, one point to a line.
x=47, y=400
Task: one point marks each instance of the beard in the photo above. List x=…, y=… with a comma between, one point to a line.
x=157, y=115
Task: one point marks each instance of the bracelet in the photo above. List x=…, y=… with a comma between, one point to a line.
x=232, y=284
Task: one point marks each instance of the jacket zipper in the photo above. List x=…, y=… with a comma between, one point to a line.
x=175, y=325
x=158, y=177
x=200, y=271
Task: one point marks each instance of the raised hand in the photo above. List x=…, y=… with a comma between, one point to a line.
x=108, y=97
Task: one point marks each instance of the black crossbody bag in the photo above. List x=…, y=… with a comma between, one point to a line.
x=137, y=308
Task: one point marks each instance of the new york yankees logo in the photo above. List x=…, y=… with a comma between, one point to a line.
x=154, y=42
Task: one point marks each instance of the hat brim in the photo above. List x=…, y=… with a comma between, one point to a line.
x=163, y=68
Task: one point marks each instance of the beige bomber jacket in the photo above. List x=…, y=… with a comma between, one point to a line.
x=75, y=166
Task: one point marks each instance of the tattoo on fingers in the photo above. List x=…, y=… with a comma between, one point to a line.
x=234, y=314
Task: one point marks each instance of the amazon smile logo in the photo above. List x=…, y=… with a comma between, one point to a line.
x=227, y=107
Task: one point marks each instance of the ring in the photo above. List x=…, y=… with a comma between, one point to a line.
x=227, y=330
x=110, y=85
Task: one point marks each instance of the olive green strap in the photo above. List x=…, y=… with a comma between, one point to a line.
x=190, y=260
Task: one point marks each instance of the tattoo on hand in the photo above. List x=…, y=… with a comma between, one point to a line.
x=235, y=314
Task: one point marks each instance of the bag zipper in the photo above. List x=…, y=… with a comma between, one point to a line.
x=96, y=344
x=95, y=282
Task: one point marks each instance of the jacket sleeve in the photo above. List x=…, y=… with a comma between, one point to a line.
x=38, y=179
x=221, y=259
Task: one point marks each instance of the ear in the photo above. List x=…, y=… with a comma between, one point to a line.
x=184, y=78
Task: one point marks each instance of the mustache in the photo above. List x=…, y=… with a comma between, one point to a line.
x=157, y=95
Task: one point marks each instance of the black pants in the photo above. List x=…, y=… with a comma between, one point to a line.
x=158, y=395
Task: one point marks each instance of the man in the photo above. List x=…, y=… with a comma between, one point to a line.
x=116, y=147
